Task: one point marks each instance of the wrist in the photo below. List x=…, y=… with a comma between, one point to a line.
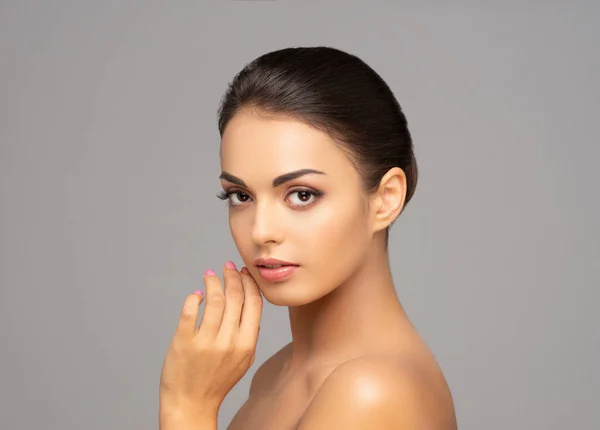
x=186, y=421
x=188, y=418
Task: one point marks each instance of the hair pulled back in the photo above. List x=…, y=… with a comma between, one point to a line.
x=334, y=92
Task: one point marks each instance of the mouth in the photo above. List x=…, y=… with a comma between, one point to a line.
x=274, y=270
x=276, y=273
x=274, y=266
x=272, y=262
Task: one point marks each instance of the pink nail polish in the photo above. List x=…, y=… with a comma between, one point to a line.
x=209, y=272
x=230, y=265
x=200, y=293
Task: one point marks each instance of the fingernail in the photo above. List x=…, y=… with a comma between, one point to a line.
x=230, y=265
x=245, y=270
x=209, y=272
x=200, y=293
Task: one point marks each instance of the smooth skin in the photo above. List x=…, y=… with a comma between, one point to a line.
x=204, y=363
x=355, y=360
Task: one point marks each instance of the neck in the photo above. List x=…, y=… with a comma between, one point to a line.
x=353, y=317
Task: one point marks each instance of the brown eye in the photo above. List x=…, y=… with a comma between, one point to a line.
x=242, y=197
x=304, y=197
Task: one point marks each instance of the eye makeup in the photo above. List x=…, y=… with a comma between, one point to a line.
x=243, y=197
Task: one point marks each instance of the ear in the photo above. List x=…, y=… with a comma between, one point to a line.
x=387, y=202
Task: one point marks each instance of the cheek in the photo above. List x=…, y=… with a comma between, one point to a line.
x=335, y=242
x=240, y=232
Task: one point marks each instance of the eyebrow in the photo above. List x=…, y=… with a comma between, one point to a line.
x=279, y=180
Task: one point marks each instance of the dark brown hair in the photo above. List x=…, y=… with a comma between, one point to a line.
x=337, y=93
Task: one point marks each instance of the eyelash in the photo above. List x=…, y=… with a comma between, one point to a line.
x=224, y=195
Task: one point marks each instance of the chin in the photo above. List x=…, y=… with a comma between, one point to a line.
x=289, y=293
x=282, y=294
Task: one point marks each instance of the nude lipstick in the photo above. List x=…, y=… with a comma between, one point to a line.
x=274, y=270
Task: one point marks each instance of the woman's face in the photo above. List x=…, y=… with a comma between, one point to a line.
x=317, y=221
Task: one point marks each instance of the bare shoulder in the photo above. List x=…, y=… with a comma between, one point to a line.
x=380, y=392
x=268, y=370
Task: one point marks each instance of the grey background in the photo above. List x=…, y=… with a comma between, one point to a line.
x=109, y=166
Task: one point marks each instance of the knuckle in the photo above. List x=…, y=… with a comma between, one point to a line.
x=235, y=297
x=203, y=348
x=188, y=311
x=225, y=348
x=217, y=299
x=222, y=344
x=187, y=315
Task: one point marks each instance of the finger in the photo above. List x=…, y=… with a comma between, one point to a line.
x=189, y=315
x=252, y=311
x=234, y=300
x=213, y=310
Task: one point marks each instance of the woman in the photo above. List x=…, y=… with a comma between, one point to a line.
x=317, y=163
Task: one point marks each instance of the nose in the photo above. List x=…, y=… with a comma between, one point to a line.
x=266, y=226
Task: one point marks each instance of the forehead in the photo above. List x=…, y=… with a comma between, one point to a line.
x=254, y=144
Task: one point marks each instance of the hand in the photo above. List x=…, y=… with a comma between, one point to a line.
x=204, y=363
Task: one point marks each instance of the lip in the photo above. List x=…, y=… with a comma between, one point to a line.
x=275, y=275
x=272, y=262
